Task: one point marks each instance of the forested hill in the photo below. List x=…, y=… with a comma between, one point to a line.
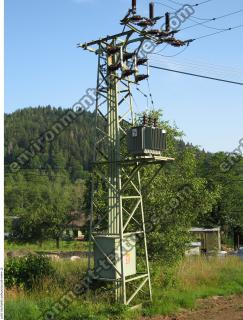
x=52, y=139
x=49, y=138
x=47, y=159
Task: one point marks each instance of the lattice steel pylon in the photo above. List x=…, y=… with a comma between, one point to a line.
x=117, y=216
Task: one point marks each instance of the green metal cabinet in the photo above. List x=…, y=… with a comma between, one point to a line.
x=109, y=245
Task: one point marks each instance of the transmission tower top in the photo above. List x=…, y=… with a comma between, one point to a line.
x=137, y=31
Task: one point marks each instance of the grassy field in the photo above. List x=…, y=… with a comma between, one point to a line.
x=173, y=290
x=197, y=278
x=48, y=245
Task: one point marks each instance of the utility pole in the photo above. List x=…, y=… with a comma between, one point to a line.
x=117, y=225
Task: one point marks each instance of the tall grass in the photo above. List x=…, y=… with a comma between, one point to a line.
x=47, y=245
x=194, y=278
x=21, y=308
x=173, y=289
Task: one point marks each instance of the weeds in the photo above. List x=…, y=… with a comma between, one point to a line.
x=173, y=289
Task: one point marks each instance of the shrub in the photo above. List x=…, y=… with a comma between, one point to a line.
x=27, y=271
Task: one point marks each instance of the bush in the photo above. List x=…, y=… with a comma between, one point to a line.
x=27, y=271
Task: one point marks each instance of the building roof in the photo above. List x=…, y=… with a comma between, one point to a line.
x=205, y=229
x=76, y=219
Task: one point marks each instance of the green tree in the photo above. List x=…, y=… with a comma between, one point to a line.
x=175, y=200
x=228, y=210
x=46, y=202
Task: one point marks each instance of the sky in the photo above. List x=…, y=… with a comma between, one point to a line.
x=44, y=67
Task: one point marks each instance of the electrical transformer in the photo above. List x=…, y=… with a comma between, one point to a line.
x=110, y=246
x=145, y=140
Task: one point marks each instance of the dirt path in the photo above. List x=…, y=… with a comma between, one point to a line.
x=216, y=308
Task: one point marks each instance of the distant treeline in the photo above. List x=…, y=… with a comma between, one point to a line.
x=47, y=171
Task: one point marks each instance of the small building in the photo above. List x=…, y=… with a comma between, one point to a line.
x=194, y=249
x=209, y=238
x=73, y=228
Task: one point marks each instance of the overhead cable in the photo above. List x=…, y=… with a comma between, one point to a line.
x=197, y=75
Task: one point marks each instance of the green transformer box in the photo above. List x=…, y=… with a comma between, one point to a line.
x=144, y=140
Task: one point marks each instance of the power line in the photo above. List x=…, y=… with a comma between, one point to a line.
x=150, y=94
x=166, y=45
x=211, y=20
x=193, y=5
x=201, y=63
x=176, y=9
x=208, y=35
x=144, y=94
x=197, y=75
x=198, y=67
x=198, y=4
x=171, y=56
x=206, y=20
x=214, y=33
